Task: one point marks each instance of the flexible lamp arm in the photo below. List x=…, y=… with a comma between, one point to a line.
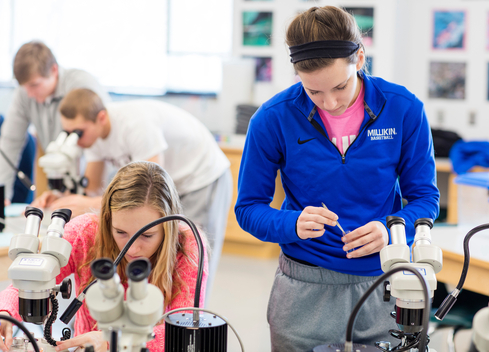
x=77, y=302
x=450, y=300
x=22, y=177
x=381, y=279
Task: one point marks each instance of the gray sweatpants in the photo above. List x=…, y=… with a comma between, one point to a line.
x=208, y=208
x=310, y=306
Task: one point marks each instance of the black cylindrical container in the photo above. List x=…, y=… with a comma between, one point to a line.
x=182, y=335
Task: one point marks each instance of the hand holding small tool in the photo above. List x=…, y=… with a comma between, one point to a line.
x=339, y=226
x=311, y=221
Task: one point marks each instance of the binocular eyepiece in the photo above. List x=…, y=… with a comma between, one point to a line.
x=137, y=270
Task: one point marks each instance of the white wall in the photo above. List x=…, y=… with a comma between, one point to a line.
x=283, y=13
x=415, y=34
x=401, y=51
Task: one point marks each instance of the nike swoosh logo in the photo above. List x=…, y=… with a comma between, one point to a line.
x=304, y=141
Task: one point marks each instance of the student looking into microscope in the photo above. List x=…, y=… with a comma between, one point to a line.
x=155, y=131
x=42, y=85
x=140, y=192
x=353, y=142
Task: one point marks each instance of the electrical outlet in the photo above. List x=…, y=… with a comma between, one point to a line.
x=472, y=117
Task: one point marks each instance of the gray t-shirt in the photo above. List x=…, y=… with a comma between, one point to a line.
x=44, y=116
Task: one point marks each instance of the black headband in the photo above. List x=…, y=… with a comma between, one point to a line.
x=330, y=49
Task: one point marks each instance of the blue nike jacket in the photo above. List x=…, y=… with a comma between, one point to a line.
x=392, y=158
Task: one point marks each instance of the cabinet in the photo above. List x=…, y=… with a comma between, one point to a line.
x=237, y=241
x=443, y=165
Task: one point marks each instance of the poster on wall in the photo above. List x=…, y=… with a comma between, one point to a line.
x=447, y=80
x=369, y=65
x=365, y=20
x=257, y=28
x=263, y=68
x=449, y=30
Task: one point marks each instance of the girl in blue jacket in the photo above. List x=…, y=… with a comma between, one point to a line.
x=354, y=142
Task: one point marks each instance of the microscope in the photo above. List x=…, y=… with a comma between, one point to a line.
x=127, y=325
x=410, y=282
x=61, y=163
x=427, y=259
x=33, y=271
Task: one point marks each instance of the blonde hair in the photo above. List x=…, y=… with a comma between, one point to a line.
x=322, y=23
x=135, y=185
x=83, y=102
x=33, y=58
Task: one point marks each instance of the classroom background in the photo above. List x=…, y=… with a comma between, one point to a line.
x=221, y=59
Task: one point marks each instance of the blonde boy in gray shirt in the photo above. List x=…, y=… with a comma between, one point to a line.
x=42, y=85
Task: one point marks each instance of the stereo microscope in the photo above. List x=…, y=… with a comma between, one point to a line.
x=33, y=271
x=61, y=163
x=427, y=259
x=127, y=325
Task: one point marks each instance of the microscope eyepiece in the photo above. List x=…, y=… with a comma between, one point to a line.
x=138, y=269
x=103, y=268
x=393, y=220
x=424, y=221
x=65, y=214
x=78, y=132
x=33, y=211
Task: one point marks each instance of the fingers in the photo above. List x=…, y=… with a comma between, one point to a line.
x=42, y=200
x=318, y=215
x=310, y=223
x=305, y=233
x=8, y=336
x=36, y=202
x=3, y=346
x=74, y=342
x=94, y=338
x=365, y=240
x=63, y=202
x=7, y=333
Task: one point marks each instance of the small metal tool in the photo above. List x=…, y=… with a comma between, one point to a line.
x=337, y=223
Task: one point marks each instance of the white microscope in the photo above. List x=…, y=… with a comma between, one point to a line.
x=428, y=260
x=127, y=325
x=61, y=163
x=33, y=271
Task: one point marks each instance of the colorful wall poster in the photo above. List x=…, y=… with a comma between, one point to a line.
x=449, y=30
x=365, y=20
x=369, y=65
x=257, y=28
x=263, y=68
x=447, y=80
